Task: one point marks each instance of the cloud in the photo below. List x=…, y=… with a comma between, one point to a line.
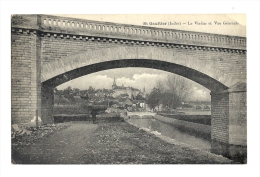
x=96, y=81
x=125, y=81
x=200, y=93
x=140, y=81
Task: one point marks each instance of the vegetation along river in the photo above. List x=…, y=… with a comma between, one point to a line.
x=172, y=132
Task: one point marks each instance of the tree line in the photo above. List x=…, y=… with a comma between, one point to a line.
x=70, y=92
x=169, y=92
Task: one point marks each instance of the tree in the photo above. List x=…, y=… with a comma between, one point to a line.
x=179, y=88
x=67, y=92
x=91, y=89
x=84, y=97
x=170, y=93
x=160, y=86
x=76, y=91
x=153, y=98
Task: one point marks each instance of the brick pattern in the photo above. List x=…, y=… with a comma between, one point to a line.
x=238, y=118
x=220, y=117
x=24, y=77
x=47, y=104
x=55, y=48
x=59, y=48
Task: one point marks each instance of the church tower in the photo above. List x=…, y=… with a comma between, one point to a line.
x=114, y=86
x=144, y=95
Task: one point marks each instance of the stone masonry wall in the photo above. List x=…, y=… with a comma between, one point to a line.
x=47, y=104
x=25, y=88
x=238, y=118
x=56, y=48
x=220, y=117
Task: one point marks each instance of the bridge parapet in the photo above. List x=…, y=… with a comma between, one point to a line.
x=124, y=33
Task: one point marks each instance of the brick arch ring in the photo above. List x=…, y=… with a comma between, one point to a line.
x=60, y=71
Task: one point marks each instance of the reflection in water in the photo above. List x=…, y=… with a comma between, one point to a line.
x=172, y=132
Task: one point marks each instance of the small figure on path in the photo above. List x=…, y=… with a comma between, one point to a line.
x=94, y=116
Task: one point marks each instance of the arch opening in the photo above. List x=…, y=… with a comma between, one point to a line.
x=189, y=73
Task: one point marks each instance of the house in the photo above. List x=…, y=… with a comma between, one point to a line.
x=99, y=93
x=125, y=102
x=142, y=103
x=124, y=95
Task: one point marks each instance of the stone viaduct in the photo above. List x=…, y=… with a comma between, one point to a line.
x=48, y=51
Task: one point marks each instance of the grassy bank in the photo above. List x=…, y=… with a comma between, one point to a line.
x=199, y=130
x=121, y=143
x=200, y=119
x=70, y=109
x=86, y=117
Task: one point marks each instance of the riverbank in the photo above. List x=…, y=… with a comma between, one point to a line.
x=114, y=142
x=200, y=130
x=194, y=117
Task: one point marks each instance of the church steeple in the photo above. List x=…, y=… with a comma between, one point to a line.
x=114, y=81
x=114, y=84
x=144, y=94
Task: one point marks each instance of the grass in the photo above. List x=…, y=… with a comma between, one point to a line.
x=201, y=119
x=70, y=109
x=121, y=143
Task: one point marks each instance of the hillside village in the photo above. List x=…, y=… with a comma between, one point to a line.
x=118, y=97
x=128, y=97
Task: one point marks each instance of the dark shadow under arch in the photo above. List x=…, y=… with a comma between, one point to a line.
x=184, y=71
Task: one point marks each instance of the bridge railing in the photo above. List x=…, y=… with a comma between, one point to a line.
x=133, y=32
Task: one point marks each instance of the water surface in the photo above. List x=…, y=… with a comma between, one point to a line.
x=172, y=132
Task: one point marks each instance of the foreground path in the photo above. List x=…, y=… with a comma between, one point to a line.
x=109, y=143
x=62, y=147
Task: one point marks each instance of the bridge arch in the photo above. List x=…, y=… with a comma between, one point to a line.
x=60, y=71
x=57, y=72
x=189, y=73
x=191, y=67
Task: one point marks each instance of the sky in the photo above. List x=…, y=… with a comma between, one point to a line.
x=145, y=77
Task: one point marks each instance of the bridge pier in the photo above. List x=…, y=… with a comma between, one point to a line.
x=229, y=122
x=25, y=76
x=47, y=104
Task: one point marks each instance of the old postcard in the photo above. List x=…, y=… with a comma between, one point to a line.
x=129, y=89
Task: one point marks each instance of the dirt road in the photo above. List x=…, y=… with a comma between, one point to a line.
x=63, y=147
x=108, y=143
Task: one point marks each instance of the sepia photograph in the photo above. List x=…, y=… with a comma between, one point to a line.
x=111, y=89
x=129, y=88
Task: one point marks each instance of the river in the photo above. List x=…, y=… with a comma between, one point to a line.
x=171, y=132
